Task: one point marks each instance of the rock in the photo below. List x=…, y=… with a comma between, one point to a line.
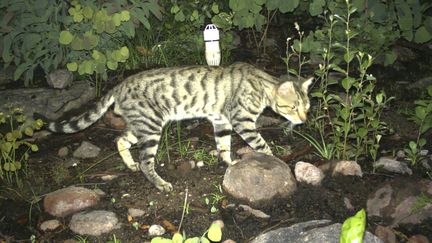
x=343, y=167
x=244, y=150
x=418, y=239
x=266, y=121
x=228, y=241
x=52, y=103
x=200, y=164
x=311, y=231
x=186, y=166
x=109, y=177
x=136, y=212
x=392, y=165
x=59, y=79
x=400, y=154
x=423, y=152
x=247, y=210
x=99, y=192
x=394, y=200
x=50, y=225
x=69, y=200
x=114, y=121
x=86, y=150
x=348, y=204
x=93, y=223
x=219, y=222
x=308, y=173
x=259, y=178
x=63, y=152
x=385, y=234
x=156, y=230
x=71, y=162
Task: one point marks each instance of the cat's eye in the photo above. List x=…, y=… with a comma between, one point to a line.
x=291, y=107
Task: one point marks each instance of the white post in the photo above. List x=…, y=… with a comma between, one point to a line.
x=212, y=49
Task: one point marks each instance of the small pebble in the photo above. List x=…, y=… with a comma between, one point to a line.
x=424, y=152
x=214, y=152
x=156, y=230
x=108, y=177
x=136, y=212
x=220, y=223
x=50, y=225
x=200, y=164
x=63, y=152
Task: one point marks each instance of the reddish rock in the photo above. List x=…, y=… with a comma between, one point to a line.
x=69, y=200
x=114, y=121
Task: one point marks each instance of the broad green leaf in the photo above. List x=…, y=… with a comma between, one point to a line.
x=215, y=233
x=347, y=83
x=288, y=6
x=125, y=15
x=72, y=66
x=420, y=112
x=28, y=131
x=21, y=69
x=362, y=132
x=413, y=146
x=215, y=8
x=88, y=12
x=175, y=9
x=193, y=240
x=161, y=240
x=124, y=51
x=353, y=228
x=422, y=142
x=316, y=7
x=112, y=65
x=390, y=57
x=8, y=166
x=5, y=147
x=116, y=18
x=177, y=238
x=34, y=148
x=422, y=35
x=204, y=240
x=273, y=4
x=344, y=113
x=180, y=17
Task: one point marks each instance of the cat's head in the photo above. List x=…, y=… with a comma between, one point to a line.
x=291, y=100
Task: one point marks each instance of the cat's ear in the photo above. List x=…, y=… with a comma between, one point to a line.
x=286, y=88
x=305, y=85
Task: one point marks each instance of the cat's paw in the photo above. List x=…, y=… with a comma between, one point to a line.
x=134, y=167
x=164, y=186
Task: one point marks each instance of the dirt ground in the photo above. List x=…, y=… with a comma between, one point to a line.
x=131, y=190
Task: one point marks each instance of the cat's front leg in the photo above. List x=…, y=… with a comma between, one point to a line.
x=245, y=127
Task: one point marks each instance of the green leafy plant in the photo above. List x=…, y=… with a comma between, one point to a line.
x=15, y=148
x=214, y=198
x=353, y=228
x=323, y=150
x=422, y=116
x=28, y=36
x=377, y=24
x=93, y=39
x=351, y=121
x=206, y=157
x=213, y=234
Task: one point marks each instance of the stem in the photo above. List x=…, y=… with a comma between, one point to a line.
x=184, y=209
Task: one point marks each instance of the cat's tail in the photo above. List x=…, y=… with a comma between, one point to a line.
x=82, y=121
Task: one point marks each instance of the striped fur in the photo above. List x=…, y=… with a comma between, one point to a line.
x=230, y=97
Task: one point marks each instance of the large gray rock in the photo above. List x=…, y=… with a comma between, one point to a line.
x=59, y=79
x=51, y=103
x=311, y=231
x=395, y=201
x=69, y=200
x=94, y=222
x=258, y=179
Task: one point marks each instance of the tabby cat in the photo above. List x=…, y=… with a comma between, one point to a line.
x=230, y=97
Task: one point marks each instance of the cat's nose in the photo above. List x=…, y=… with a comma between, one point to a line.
x=302, y=117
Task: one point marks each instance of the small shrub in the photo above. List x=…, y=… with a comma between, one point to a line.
x=15, y=149
x=422, y=116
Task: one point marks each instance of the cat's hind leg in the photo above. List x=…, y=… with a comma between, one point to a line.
x=222, y=132
x=124, y=143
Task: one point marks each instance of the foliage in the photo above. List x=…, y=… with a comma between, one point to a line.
x=87, y=35
x=214, y=234
x=214, y=198
x=422, y=116
x=323, y=150
x=28, y=36
x=14, y=147
x=94, y=39
x=375, y=25
x=353, y=228
x=352, y=118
